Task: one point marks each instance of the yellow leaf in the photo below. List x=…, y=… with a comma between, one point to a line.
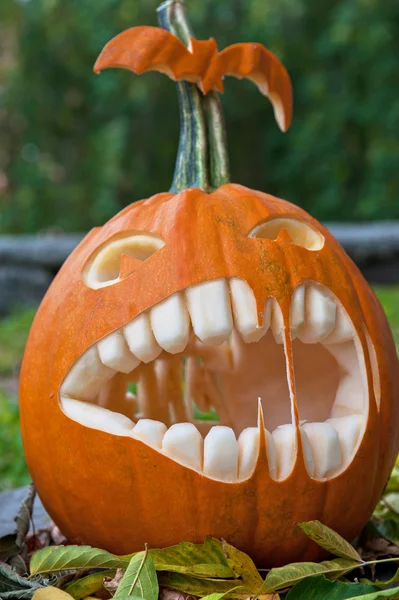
x=50, y=593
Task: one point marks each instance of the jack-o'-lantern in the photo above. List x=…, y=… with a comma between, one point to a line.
x=210, y=361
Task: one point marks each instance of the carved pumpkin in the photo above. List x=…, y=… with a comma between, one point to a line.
x=189, y=306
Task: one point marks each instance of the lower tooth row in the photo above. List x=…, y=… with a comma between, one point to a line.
x=326, y=446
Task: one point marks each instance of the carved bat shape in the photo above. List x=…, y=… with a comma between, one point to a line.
x=141, y=49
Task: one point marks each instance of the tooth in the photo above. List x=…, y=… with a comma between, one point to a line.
x=115, y=354
x=245, y=311
x=149, y=431
x=171, y=324
x=217, y=358
x=195, y=388
x=141, y=340
x=271, y=454
x=248, y=450
x=87, y=376
x=343, y=330
x=152, y=399
x=277, y=322
x=96, y=417
x=113, y=396
x=221, y=454
x=348, y=398
x=349, y=430
x=210, y=311
x=286, y=449
x=325, y=446
x=169, y=376
x=320, y=312
x=297, y=310
x=184, y=443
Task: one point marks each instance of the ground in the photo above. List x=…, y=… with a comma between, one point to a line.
x=13, y=333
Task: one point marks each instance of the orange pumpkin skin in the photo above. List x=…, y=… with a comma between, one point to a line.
x=141, y=49
x=118, y=493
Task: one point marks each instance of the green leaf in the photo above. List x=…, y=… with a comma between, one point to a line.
x=85, y=586
x=283, y=577
x=140, y=577
x=203, y=587
x=216, y=596
x=198, y=560
x=243, y=568
x=320, y=588
x=383, y=584
x=51, y=593
x=387, y=528
x=246, y=582
x=329, y=540
x=64, y=558
x=14, y=586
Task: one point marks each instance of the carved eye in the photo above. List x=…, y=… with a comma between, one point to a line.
x=300, y=233
x=118, y=258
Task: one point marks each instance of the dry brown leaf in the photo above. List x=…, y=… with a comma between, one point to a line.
x=377, y=548
x=167, y=594
x=57, y=536
x=111, y=584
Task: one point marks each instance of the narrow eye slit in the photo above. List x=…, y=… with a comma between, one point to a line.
x=301, y=234
x=104, y=266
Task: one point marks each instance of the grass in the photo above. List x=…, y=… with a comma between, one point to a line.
x=13, y=471
x=13, y=333
x=389, y=298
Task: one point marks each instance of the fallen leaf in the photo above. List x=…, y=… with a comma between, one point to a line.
x=166, y=594
x=15, y=586
x=215, y=596
x=57, y=537
x=202, y=587
x=85, y=586
x=378, y=548
x=111, y=584
x=385, y=583
x=18, y=564
x=51, y=593
x=329, y=540
x=243, y=568
x=320, y=588
x=62, y=558
x=284, y=577
x=11, y=544
x=140, y=579
x=198, y=560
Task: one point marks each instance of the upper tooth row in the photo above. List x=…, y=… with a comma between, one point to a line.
x=327, y=446
x=212, y=307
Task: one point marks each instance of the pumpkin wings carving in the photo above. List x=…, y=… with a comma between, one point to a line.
x=141, y=49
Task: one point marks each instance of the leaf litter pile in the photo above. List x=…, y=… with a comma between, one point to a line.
x=42, y=566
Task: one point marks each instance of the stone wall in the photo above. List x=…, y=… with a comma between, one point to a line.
x=29, y=263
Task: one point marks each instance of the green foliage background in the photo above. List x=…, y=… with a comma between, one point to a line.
x=76, y=147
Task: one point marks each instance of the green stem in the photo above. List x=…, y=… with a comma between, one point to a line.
x=202, y=159
x=217, y=140
x=191, y=162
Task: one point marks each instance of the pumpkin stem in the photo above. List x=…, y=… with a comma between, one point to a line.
x=202, y=159
x=217, y=140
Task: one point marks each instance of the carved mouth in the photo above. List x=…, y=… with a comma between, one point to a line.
x=197, y=363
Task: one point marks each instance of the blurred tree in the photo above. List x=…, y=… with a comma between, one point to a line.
x=75, y=148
